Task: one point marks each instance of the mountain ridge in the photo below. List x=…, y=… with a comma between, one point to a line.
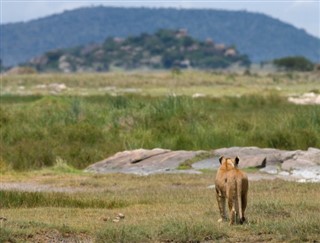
x=252, y=33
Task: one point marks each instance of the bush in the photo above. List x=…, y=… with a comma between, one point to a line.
x=297, y=63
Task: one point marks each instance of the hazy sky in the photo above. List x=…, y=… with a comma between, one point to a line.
x=300, y=13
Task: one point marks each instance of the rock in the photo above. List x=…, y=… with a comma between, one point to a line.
x=3, y=218
x=244, y=151
x=251, y=156
x=142, y=161
x=302, y=159
x=253, y=161
x=198, y=95
x=124, y=159
x=273, y=156
x=296, y=164
x=116, y=220
x=305, y=99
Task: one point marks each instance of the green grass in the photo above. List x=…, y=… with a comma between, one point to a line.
x=81, y=130
x=157, y=208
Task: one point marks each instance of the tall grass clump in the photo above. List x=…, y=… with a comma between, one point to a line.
x=131, y=233
x=19, y=199
x=85, y=129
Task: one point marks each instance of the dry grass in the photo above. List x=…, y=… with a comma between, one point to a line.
x=158, y=208
x=161, y=83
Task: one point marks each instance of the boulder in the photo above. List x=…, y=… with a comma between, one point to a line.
x=305, y=99
x=296, y=164
x=253, y=161
x=252, y=156
x=302, y=159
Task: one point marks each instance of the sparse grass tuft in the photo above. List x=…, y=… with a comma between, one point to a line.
x=63, y=167
x=186, y=165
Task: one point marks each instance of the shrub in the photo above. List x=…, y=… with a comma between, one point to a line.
x=297, y=63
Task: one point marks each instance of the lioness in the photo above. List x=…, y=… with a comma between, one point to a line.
x=231, y=184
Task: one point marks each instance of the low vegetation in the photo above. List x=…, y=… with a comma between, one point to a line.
x=157, y=208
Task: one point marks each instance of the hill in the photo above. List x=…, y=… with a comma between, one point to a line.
x=258, y=35
x=162, y=50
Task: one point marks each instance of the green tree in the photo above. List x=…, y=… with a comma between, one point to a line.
x=296, y=63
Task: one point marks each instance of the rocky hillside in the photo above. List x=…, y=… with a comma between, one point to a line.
x=259, y=36
x=162, y=50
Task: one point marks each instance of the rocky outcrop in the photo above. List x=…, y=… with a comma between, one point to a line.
x=282, y=163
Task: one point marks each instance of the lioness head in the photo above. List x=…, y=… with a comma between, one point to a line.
x=228, y=162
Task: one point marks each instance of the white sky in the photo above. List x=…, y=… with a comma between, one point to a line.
x=303, y=14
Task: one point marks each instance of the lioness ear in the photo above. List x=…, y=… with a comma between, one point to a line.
x=220, y=159
x=237, y=160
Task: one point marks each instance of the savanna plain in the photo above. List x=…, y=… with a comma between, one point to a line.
x=55, y=125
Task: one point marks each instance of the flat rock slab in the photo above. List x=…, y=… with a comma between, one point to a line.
x=143, y=161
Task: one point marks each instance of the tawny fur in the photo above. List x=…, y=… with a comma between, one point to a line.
x=232, y=187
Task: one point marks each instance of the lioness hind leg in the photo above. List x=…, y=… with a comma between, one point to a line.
x=222, y=207
x=243, y=208
x=232, y=212
x=233, y=216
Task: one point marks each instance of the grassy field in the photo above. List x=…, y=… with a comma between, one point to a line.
x=54, y=125
x=157, y=208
